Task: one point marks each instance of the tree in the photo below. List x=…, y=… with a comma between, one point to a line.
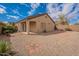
x=7, y=28
x=62, y=23
x=63, y=20
x=1, y=25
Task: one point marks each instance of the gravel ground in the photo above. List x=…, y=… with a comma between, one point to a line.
x=4, y=37
x=49, y=44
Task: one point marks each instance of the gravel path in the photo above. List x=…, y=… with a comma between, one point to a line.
x=65, y=43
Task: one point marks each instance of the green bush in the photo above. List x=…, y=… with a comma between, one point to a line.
x=5, y=48
x=8, y=29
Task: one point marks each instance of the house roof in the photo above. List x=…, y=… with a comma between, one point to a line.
x=31, y=17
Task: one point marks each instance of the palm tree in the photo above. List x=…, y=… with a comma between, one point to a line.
x=63, y=20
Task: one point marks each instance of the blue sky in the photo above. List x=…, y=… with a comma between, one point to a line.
x=13, y=12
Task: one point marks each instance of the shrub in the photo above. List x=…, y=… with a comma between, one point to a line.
x=8, y=29
x=68, y=29
x=5, y=48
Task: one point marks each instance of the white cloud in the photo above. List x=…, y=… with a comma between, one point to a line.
x=2, y=10
x=2, y=6
x=53, y=11
x=34, y=6
x=74, y=13
x=66, y=8
x=24, y=4
x=30, y=12
x=16, y=12
x=71, y=15
x=14, y=17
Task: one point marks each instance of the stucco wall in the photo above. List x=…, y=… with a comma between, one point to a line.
x=41, y=19
x=19, y=27
x=33, y=26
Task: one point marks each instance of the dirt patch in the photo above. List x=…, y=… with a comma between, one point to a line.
x=4, y=37
x=66, y=43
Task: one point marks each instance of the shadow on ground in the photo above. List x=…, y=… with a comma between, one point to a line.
x=48, y=33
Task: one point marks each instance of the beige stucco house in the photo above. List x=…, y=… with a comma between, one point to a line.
x=39, y=23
